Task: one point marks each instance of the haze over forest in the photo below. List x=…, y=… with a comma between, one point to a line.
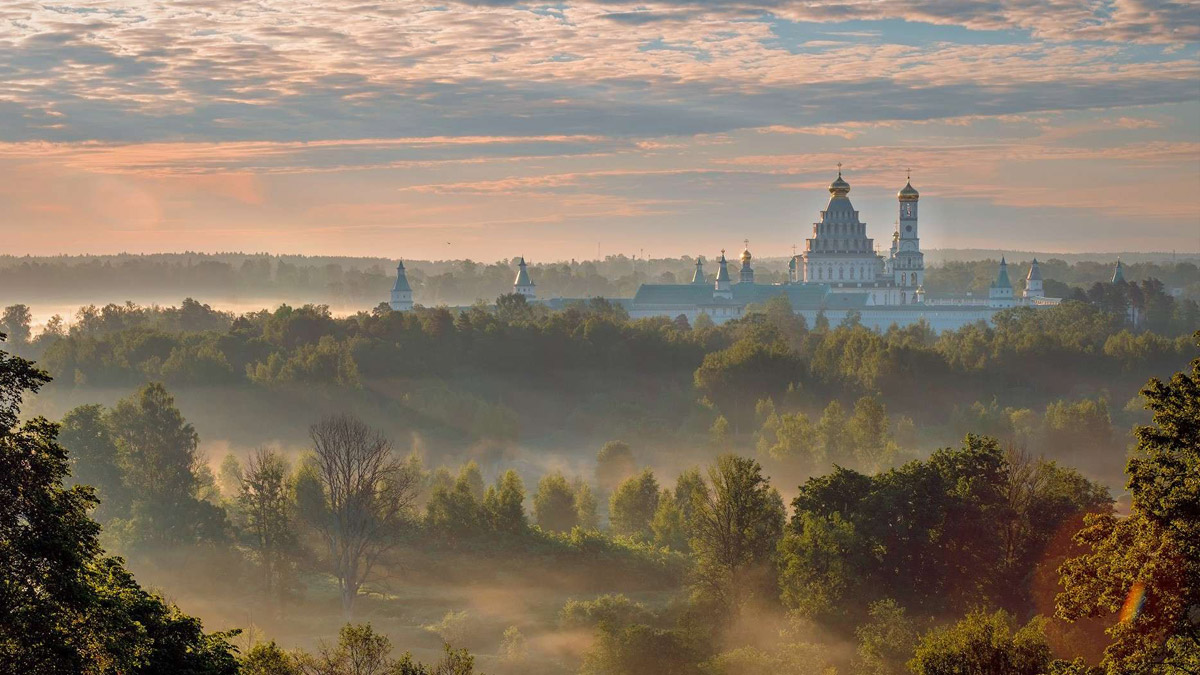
x=556, y=484
x=600, y=337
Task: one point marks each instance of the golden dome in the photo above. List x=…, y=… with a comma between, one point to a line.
x=746, y=257
x=908, y=193
x=839, y=187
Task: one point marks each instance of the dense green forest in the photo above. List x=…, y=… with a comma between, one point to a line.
x=963, y=562
x=508, y=489
x=346, y=282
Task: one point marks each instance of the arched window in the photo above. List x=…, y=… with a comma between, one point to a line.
x=851, y=272
x=841, y=273
x=904, y=298
x=819, y=273
x=914, y=278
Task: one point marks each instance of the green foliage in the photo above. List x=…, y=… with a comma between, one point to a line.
x=632, y=507
x=1149, y=563
x=554, y=507
x=983, y=643
x=585, y=506
x=736, y=524
x=748, y=370
x=670, y=529
x=64, y=606
x=637, y=649
x=504, y=504
x=266, y=658
x=15, y=323
x=95, y=459
x=614, y=464
x=886, y=640
x=162, y=474
x=616, y=610
x=473, y=478
x=453, y=512
x=266, y=504
x=961, y=528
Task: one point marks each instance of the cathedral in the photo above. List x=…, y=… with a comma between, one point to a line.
x=839, y=274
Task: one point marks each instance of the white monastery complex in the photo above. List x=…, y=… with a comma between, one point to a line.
x=837, y=274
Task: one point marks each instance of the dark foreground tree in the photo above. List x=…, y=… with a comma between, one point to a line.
x=65, y=607
x=369, y=493
x=1148, y=565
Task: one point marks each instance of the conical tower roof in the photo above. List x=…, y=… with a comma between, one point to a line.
x=401, y=278
x=1035, y=272
x=1002, y=278
x=698, y=276
x=522, y=274
x=1119, y=273
x=723, y=270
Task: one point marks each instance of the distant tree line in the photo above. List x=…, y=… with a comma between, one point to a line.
x=363, y=281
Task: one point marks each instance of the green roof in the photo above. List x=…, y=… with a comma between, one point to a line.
x=401, y=279
x=802, y=296
x=1002, y=278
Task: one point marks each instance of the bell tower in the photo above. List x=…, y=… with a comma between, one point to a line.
x=908, y=265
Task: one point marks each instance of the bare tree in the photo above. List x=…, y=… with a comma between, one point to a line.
x=368, y=493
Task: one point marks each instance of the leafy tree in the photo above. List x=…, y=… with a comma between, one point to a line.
x=554, y=504
x=668, y=525
x=737, y=523
x=368, y=494
x=946, y=534
x=94, y=459
x=886, y=641
x=612, y=609
x=265, y=502
x=15, y=323
x=453, y=511
x=833, y=433
x=504, y=504
x=161, y=470
x=631, y=508
x=871, y=434
x=266, y=658
x=822, y=560
x=718, y=433
x=791, y=439
x=1149, y=563
x=614, y=464
x=637, y=649
x=65, y=607
x=983, y=643
x=585, y=506
x=750, y=369
x=473, y=478
x=359, y=651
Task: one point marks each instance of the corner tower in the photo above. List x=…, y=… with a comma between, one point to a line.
x=1033, y=282
x=1000, y=293
x=402, y=300
x=523, y=285
x=721, y=287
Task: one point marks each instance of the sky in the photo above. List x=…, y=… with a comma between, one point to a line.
x=496, y=128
